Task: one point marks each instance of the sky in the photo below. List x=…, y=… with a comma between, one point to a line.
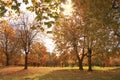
x=68, y=8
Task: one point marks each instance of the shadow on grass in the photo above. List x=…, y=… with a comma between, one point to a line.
x=75, y=74
x=12, y=73
x=44, y=73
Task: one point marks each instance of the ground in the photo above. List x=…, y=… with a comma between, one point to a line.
x=57, y=73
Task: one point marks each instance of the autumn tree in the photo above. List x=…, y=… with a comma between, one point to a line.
x=63, y=57
x=98, y=17
x=26, y=34
x=7, y=39
x=38, y=55
x=67, y=58
x=69, y=33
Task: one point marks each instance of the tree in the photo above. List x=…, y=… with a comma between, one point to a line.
x=38, y=55
x=69, y=33
x=7, y=39
x=26, y=35
x=98, y=17
x=67, y=58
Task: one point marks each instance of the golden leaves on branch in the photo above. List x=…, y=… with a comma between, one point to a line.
x=3, y=22
x=10, y=13
x=9, y=3
x=6, y=28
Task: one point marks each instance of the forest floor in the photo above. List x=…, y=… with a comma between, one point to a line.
x=58, y=73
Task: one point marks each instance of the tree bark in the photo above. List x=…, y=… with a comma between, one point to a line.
x=7, y=60
x=78, y=57
x=6, y=53
x=26, y=61
x=89, y=59
x=80, y=65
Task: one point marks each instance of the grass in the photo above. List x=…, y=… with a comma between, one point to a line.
x=18, y=73
x=57, y=73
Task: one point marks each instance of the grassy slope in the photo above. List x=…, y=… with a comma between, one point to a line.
x=51, y=73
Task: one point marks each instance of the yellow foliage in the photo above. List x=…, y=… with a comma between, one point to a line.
x=4, y=22
x=34, y=1
x=0, y=3
x=7, y=28
x=10, y=13
x=8, y=2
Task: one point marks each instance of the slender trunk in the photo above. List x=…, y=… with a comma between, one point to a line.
x=6, y=47
x=7, y=60
x=6, y=53
x=89, y=59
x=26, y=61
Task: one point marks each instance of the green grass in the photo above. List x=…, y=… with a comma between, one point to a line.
x=100, y=68
x=57, y=73
x=108, y=73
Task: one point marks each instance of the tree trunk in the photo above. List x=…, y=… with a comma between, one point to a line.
x=78, y=57
x=80, y=65
x=26, y=61
x=89, y=59
x=7, y=60
x=6, y=52
x=81, y=60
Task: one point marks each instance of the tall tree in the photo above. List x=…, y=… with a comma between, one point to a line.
x=26, y=35
x=99, y=19
x=69, y=33
x=6, y=39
